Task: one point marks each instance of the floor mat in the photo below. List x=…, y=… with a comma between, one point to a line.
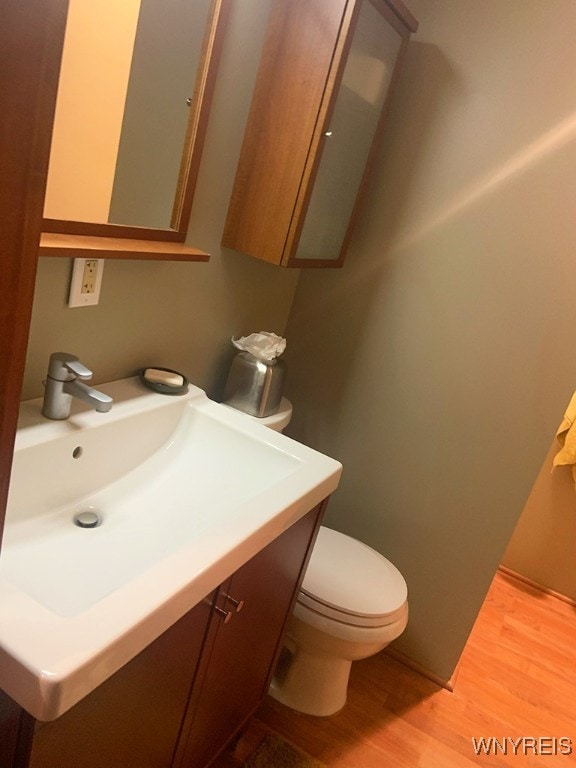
x=274, y=752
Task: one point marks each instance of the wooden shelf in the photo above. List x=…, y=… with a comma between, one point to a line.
x=82, y=246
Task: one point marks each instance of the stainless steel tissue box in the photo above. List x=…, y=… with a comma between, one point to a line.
x=255, y=386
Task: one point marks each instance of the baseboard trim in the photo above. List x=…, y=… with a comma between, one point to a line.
x=408, y=662
x=534, y=584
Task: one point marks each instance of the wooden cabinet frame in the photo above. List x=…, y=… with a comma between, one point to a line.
x=302, y=63
x=31, y=39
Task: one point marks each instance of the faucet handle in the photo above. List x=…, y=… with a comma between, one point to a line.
x=62, y=364
x=79, y=369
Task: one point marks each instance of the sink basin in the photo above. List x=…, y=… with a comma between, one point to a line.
x=149, y=506
x=184, y=492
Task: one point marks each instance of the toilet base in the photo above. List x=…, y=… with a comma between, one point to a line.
x=314, y=667
x=314, y=686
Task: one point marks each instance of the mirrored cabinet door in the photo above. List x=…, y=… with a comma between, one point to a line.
x=317, y=108
x=347, y=141
x=127, y=71
x=135, y=90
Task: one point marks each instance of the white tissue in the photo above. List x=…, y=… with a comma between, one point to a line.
x=263, y=345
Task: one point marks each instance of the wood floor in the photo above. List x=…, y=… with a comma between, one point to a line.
x=517, y=678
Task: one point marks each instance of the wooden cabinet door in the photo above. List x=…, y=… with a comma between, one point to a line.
x=133, y=719
x=245, y=648
x=282, y=124
x=16, y=729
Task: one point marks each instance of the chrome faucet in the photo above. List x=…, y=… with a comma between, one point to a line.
x=63, y=382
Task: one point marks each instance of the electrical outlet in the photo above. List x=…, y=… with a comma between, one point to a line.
x=85, y=283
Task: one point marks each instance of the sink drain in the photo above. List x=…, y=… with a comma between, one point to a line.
x=87, y=519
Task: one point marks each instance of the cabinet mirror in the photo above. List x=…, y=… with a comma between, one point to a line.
x=135, y=88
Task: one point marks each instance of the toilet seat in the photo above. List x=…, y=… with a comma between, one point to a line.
x=349, y=582
x=347, y=617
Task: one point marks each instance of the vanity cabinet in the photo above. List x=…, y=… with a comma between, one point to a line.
x=317, y=108
x=182, y=699
x=244, y=649
x=132, y=719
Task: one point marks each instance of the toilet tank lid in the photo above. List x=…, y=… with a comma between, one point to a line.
x=352, y=577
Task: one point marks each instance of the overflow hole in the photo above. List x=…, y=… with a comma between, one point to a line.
x=77, y=452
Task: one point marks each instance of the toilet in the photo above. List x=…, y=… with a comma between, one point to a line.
x=352, y=603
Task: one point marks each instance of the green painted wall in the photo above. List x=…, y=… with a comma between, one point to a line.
x=437, y=364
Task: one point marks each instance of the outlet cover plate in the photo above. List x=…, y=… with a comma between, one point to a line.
x=86, y=282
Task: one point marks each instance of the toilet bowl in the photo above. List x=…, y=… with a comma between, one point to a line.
x=352, y=603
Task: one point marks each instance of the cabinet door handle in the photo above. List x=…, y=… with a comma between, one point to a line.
x=224, y=615
x=238, y=604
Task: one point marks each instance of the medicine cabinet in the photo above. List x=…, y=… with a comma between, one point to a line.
x=317, y=109
x=134, y=94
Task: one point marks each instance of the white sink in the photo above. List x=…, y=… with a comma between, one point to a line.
x=186, y=491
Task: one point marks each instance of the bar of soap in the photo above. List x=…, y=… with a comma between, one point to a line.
x=158, y=376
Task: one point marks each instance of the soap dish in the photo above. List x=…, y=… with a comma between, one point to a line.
x=164, y=389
